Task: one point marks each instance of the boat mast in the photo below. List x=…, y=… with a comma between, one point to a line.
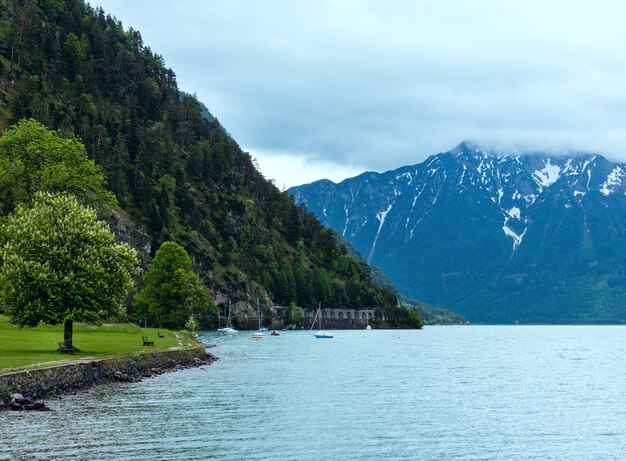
x=319, y=308
x=228, y=319
x=314, y=319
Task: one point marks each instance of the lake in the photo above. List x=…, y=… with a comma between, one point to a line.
x=443, y=393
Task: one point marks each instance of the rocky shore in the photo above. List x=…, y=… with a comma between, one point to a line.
x=25, y=390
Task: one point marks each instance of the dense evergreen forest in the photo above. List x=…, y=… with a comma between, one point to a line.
x=175, y=172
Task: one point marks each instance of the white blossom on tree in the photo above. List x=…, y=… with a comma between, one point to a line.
x=59, y=264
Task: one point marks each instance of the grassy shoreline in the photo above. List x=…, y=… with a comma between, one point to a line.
x=28, y=348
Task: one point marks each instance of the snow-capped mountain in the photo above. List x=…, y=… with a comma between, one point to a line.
x=496, y=237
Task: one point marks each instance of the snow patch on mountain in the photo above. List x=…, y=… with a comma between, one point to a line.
x=613, y=179
x=548, y=175
x=517, y=239
x=405, y=175
x=381, y=216
x=410, y=215
x=530, y=199
x=514, y=213
x=413, y=207
x=345, y=228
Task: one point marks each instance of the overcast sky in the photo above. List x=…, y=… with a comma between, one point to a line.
x=331, y=88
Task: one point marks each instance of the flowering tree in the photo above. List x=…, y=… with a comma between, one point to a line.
x=59, y=264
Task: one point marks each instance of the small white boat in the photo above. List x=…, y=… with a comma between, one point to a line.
x=369, y=327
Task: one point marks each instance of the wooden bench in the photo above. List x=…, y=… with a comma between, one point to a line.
x=146, y=341
x=64, y=349
x=160, y=335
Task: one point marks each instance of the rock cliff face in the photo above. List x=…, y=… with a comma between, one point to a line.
x=496, y=237
x=128, y=231
x=243, y=306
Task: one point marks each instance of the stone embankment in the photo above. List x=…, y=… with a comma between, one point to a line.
x=17, y=402
x=44, y=383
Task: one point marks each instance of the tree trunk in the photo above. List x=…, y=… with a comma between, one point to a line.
x=67, y=334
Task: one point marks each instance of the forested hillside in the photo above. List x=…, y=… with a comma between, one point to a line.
x=177, y=174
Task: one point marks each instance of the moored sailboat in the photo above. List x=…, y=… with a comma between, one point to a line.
x=228, y=329
x=258, y=334
x=320, y=334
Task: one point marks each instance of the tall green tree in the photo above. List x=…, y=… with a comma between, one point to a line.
x=72, y=54
x=59, y=264
x=294, y=315
x=172, y=292
x=34, y=158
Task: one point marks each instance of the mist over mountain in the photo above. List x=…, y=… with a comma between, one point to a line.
x=498, y=238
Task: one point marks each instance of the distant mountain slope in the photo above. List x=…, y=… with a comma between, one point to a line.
x=205, y=113
x=495, y=237
x=429, y=314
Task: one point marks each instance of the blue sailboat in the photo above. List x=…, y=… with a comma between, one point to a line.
x=320, y=334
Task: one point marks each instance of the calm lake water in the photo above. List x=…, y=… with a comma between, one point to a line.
x=444, y=393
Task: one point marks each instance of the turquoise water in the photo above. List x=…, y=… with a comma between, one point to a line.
x=444, y=393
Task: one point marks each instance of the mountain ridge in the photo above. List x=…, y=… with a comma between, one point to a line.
x=468, y=221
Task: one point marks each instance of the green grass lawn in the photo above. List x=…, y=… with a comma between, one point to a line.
x=23, y=348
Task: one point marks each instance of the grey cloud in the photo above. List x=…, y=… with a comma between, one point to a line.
x=383, y=84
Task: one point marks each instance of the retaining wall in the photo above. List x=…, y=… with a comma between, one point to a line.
x=64, y=379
